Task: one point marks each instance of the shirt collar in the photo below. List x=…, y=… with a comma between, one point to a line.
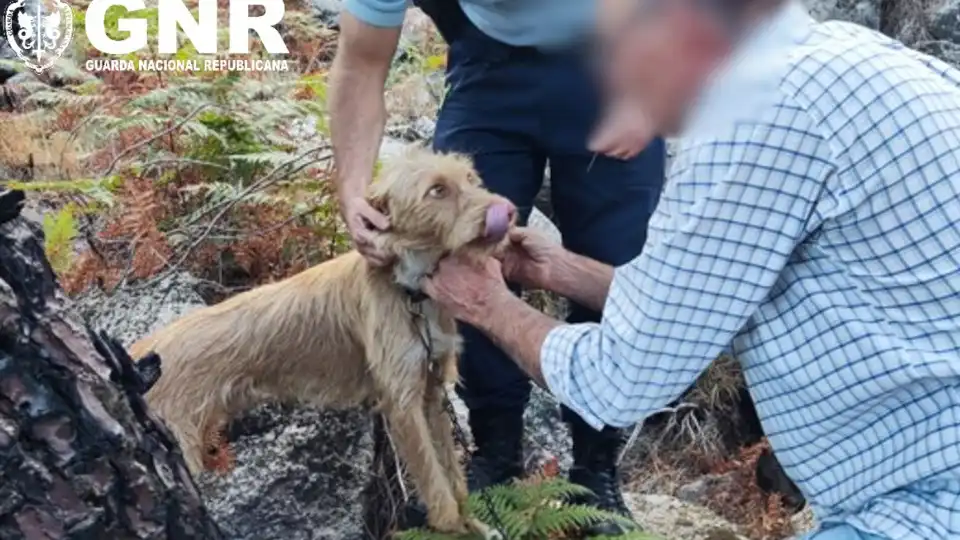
x=752, y=73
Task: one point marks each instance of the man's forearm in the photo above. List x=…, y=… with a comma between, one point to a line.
x=518, y=329
x=357, y=109
x=581, y=279
x=357, y=118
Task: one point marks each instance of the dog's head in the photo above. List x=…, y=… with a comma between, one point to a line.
x=436, y=202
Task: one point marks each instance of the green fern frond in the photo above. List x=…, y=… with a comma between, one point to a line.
x=82, y=186
x=534, y=511
x=219, y=192
x=263, y=158
x=142, y=120
x=555, y=490
x=154, y=98
x=59, y=230
x=560, y=518
x=99, y=190
x=89, y=88
x=317, y=83
x=498, y=501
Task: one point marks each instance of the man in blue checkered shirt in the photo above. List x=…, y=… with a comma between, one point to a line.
x=810, y=224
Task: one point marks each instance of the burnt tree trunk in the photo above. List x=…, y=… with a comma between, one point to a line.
x=80, y=456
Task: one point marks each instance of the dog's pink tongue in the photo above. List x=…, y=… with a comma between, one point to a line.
x=498, y=221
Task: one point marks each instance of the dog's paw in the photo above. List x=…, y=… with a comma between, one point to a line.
x=493, y=534
x=484, y=530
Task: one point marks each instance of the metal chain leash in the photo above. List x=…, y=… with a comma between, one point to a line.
x=458, y=434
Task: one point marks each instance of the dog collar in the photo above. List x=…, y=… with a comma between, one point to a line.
x=416, y=296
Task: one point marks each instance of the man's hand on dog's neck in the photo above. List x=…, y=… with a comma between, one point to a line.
x=519, y=329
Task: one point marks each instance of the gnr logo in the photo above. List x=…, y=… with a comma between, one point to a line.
x=202, y=31
x=40, y=30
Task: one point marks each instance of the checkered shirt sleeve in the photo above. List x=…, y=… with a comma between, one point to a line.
x=704, y=271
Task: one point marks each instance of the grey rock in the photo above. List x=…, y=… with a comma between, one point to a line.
x=8, y=68
x=64, y=72
x=546, y=436
x=420, y=129
x=669, y=517
x=424, y=127
x=391, y=147
x=909, y=22
x=299, y=475
x=131, y=314
x=863, y=12
x=328, y=11
x=947, y=51
x=543, y=201
x=944, y=21
x=699, y=490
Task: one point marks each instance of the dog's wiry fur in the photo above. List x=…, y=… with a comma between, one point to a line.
x=341, y=334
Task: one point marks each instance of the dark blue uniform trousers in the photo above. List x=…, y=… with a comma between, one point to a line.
x=515, y=110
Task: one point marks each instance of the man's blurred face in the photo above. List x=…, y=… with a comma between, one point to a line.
x=658, y=54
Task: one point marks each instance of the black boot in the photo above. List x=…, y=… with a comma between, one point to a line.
x=595, y=456
x=498, y=437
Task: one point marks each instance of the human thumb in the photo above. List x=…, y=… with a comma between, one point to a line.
x=601, y=141
x=517, y=235
x=375, y=219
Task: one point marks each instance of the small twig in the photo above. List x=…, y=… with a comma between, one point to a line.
x=256, y=185
x=155, y=137
x=259, y=184
x=632, y=440
x=183, y=161
x=236, y=234
x=398, y=468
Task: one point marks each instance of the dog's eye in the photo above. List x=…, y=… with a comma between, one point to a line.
x=438, y=191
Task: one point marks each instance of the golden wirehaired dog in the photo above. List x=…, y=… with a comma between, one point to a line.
x=345, y=334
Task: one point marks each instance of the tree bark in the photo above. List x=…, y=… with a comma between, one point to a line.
x=80, y=455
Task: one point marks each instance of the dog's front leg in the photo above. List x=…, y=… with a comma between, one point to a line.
x=412, y=436
x=442, y=430
x=443, y=440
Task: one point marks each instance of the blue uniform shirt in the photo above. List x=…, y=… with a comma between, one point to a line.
x=538, y=23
